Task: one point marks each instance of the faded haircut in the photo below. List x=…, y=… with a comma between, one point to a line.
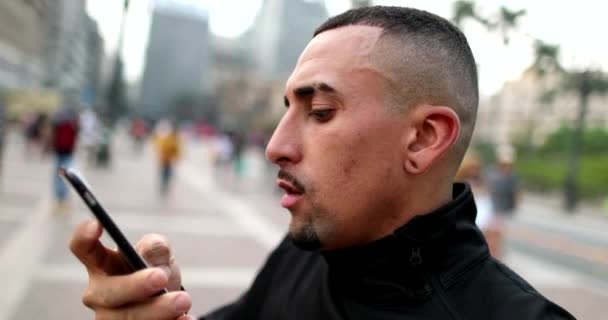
x=426, y=60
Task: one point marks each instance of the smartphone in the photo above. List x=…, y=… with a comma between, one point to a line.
x=130, y=255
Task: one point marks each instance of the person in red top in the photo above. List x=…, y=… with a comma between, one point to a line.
x=138, y=131
x=65, y=127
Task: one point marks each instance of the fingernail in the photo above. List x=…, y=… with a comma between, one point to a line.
x=166, y=270
x=156, y=279
x=182, y=303
x=91, y=228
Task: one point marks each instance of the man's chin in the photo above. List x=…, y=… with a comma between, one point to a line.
x=306, y=240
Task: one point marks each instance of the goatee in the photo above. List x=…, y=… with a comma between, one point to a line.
x=307, y=239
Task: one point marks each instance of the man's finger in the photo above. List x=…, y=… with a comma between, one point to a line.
x=86, y=246
x=168, y=306
x=175, y=279
x=156, y=250
x=92, y=253
x=118, y=291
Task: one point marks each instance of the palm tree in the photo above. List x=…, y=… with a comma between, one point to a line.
x=546, y=58
x=583, y=83
x=465, y=9
x=508, y=20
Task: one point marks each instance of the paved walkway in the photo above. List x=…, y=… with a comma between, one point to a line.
x=221, y=232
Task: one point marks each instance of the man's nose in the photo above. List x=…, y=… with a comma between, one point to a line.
x=284, y=145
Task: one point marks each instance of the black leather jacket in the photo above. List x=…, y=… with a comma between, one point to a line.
x=437, y=266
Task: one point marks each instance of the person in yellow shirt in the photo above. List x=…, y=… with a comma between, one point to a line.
x=168, y=148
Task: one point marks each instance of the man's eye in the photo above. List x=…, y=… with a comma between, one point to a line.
x=321, y=114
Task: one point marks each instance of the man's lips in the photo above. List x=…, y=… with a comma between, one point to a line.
x=288, y=186
x=292, y=193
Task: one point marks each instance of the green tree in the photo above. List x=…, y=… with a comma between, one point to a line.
x=117, y=90
x=117, y=93
x=465, y=10
x=584, y=83
x=508, y=21
x=505, y=21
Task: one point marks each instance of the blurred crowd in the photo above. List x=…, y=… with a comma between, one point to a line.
x=75, y=128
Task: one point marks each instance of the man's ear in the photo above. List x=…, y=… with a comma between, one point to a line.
x=434, y=129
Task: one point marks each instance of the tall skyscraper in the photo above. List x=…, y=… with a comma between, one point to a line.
x=66, y=46
x=281, y=30
x=91, y=88
x=22, y=35
x=177, y=59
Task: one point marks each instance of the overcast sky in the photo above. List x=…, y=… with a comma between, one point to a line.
x=578, y=27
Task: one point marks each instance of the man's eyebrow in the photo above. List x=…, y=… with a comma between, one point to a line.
x=309, y=90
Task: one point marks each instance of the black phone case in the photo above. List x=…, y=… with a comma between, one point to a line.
x=133, y=259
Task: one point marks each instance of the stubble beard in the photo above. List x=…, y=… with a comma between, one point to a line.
x=310, y=234
x=306, y=238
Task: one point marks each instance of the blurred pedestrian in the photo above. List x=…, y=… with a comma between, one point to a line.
x=138, y=131
x=504, y=192
x=222, y=150
x=239, y=143
x=168, y=145
x=90, y=135
x=3, y=133
x=104, y=145
x=65, y=129
x=471, y=171
x=37, y=134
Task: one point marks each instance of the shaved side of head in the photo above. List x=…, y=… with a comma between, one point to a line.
x=425, y=59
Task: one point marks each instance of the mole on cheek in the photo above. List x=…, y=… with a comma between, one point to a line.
x=348, y=167
x=352, y=162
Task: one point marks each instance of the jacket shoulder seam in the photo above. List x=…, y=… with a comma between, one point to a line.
x=529, y=290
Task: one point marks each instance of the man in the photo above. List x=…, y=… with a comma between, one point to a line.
x=89, y=134
x=168, y=149
x=504, y=193
x=380, y=109
x=65, y=128
x=3, y=132
x=503, y=182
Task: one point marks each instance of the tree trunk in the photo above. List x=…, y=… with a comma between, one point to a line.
x=571, y=183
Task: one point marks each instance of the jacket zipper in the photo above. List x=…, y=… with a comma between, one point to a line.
x=416, y=260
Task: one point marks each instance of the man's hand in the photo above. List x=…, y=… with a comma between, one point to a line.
x=114, y=293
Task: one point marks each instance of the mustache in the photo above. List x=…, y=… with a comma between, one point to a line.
x=291, y=179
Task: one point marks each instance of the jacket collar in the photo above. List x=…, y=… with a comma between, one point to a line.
x=443, y=243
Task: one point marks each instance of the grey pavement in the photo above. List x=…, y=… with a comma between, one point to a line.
x=221, y=229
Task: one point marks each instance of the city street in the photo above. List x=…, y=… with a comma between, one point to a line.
x=221, y=231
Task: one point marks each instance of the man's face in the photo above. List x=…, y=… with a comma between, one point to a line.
x=337, y=145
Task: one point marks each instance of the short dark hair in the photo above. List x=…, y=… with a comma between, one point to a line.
x=429, y=57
